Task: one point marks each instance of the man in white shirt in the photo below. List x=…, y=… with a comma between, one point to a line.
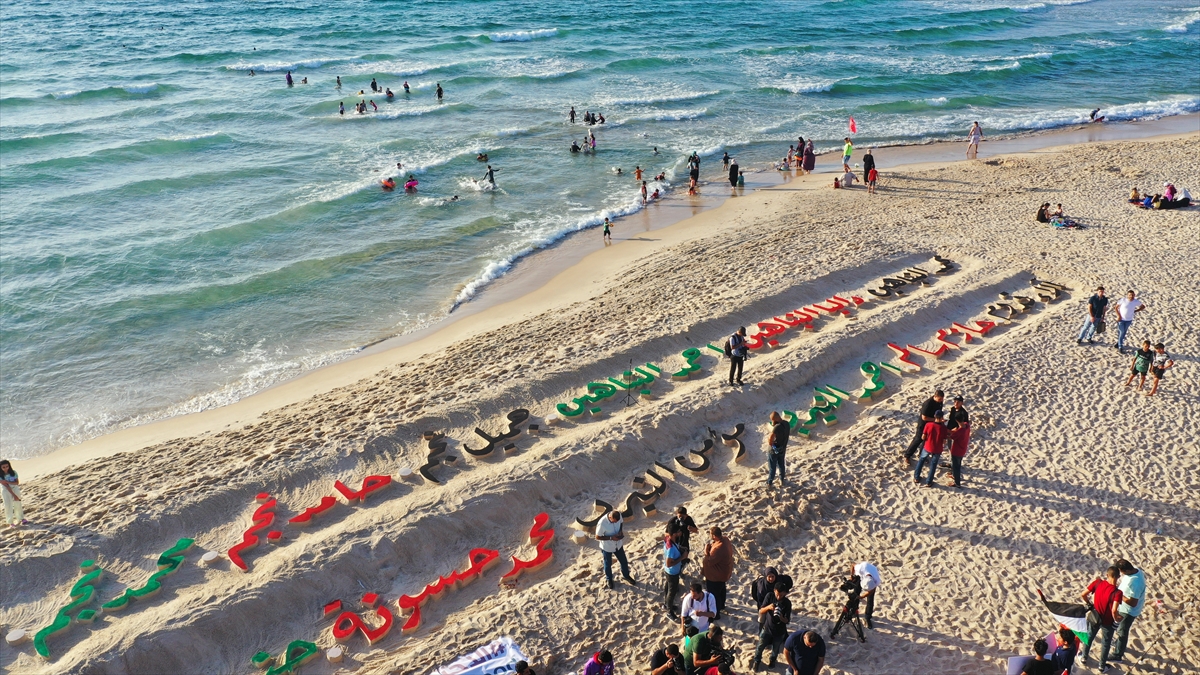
x=1126, y=308
x=1133, y=599
x=868, y=575
x=699, y=607
x=609, y=534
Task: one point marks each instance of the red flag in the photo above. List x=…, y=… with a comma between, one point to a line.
x=853, y=126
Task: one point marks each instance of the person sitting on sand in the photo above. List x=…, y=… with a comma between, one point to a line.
x=848, y=179
x=837, y=184
x=1042, y=214
x=1169, y=192
x=1134, y=197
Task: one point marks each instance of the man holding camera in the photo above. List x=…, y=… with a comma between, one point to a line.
x=698, y=609
x=667, y=661
x=868, y=576
x=773, y=620
x=609, y=534
x=709, y=653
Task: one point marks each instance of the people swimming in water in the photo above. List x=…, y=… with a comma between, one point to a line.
x=304, y=80
x=490, y=175
x=289, y=78
x=439, y=91
x=389, y=184
x=390, y=95
x=341, y=107
x=656, y=195
x=1094, y=118
x=374, y=107
x=339, y=81
x=251, y=72
x=399, y=166
x=601, y=116
x=411, y=184
x=571, y=115
x=362, y=92
x=481, y=157
x=661, y=176
x=452, y=199
x=656, y=149
x=374, y=86
x=406, y=86
x=574, y=146
x=618, y=171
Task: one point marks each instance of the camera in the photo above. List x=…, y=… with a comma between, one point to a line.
x=726, y=656
x=852, y=587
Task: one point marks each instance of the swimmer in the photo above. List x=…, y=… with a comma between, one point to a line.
x=362, y=92
x=481, y=157
x=411, y=185
x=406, y=86
x=341, y=107
x=607, y=231
x=656, y=149
x=399, y=166
x=376, y=108
x=439, y=91
x=251, y=72
x=289, y=78
x=339, y=81
x=389, y=184
x=601, y=119
x=490, y=175
x=661, y=176
x=655, y=195
x=304, y=81
x=390, y=94
x=571, y=115
x=574, y=146
x=637, y=173
x=452, y=199
x=618, y=171
x=374, y=86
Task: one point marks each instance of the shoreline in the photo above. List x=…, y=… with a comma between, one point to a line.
x=577, y=263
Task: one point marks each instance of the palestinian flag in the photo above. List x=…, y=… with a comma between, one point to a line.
x=1069, y=615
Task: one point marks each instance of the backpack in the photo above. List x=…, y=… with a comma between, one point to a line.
x=728, y=349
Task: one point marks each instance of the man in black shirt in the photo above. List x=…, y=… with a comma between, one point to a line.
x=1096, y=306
x=773, y=620
x=1040, y=665
x=776, y=447
x=683, y=524
x=667, y=661
x=928, y=409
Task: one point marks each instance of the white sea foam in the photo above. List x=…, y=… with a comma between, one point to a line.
x=940, y=100
x=1182, y=25
x=667, y=98
x=279, y=66
x=1007, y=66
x=798, y=84
x=522, y=35
x=141, y=88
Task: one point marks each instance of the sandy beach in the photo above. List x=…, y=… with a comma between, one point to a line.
x=1068, y=469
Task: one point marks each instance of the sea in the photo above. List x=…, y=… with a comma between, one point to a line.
x=179, y=228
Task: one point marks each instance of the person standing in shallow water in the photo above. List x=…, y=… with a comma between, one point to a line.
x=733, y=173
x=439, y=91
x=10, y=491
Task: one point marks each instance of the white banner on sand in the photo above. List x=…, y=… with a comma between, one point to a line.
x=495, y=658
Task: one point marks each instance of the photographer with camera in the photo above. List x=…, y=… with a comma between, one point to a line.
x=667, y=661
x=869, y=579
x=773, y=620
x=698, y=609
x=709, y=652
x=805, y=652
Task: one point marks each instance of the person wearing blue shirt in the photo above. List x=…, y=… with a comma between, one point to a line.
x=672, y=566
x=1133, y=599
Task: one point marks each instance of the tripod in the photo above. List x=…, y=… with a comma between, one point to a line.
x=630, y=398
x=849, y=617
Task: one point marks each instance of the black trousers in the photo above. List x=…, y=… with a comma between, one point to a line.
x=717, y=588
x=671, y=593
x=916, y=441
x=870, y=609
x=735, y=366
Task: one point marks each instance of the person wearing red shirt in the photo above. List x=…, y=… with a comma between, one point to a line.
x=1105, y=599
x=934, y=436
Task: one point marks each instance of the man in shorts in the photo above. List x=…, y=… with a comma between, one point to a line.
x=1141, y=364
x=846, y=152
x=973, y=137
x=1162, y=361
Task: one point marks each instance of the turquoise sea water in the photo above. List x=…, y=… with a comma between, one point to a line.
x=176, y=234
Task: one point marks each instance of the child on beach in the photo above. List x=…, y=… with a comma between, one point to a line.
x=608, y=233
x=1141, y=365
x=1162, y=361
x=872, y=176
x=14, y=510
